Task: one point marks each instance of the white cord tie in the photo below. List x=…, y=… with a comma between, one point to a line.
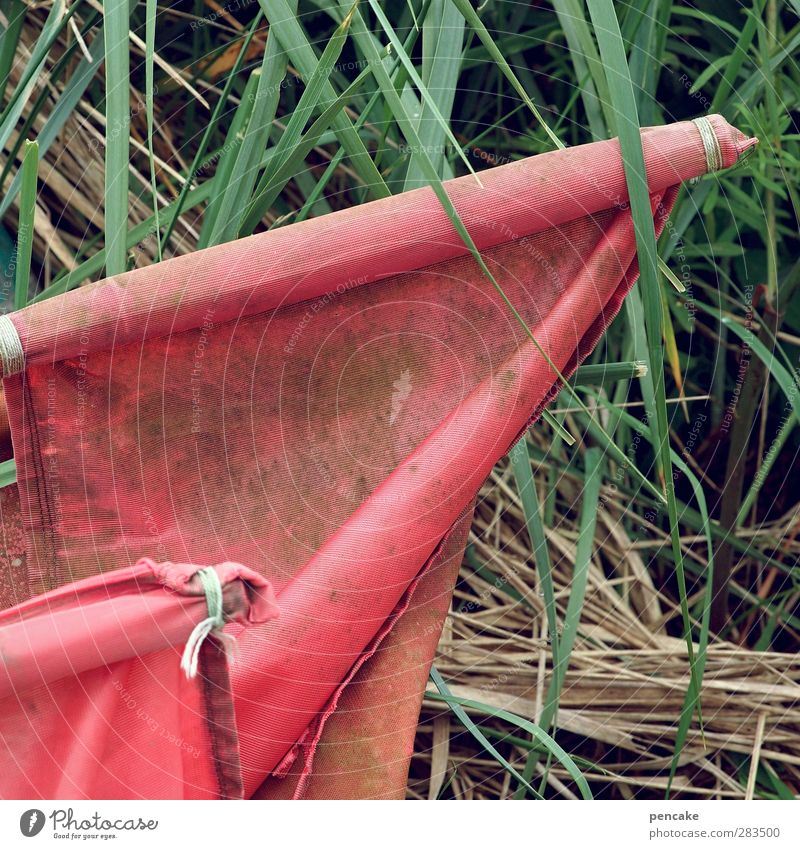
x=710, y=144
x=12, y=357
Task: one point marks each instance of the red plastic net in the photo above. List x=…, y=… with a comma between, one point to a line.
x=319, y=403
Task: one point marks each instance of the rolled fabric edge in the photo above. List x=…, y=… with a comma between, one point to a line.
x=329, y=254
x=110, y=617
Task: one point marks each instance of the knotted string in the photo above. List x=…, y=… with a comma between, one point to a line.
x=211, y=626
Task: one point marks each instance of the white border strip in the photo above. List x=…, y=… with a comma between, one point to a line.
x=602, y=824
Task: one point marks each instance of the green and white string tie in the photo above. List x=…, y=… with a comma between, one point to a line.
x=210, y=626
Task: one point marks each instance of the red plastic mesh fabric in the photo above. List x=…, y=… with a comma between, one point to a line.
x=320, y=403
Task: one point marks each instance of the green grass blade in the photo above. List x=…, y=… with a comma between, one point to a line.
x=221, y=201
x=286, y=28
x=709, y=530
x=150, y=41
x=788, y=384
x=534, y=730
x=428, y=100
x=776, y=446
x=256, y=138
x=472, y=18
x=671, y=277
x=526, y=487
x=691, y=701
x=64, y=108
x=737, y=57
x=115, y=28
x=605, y=374
x=580, y=577
x=27, y=215
x=612, y=50
x=771, y=356
x=635, y=314
x=754, y=85
x=589, y=76
x=408, y=46
x=316, y=87
x=202, y=149
x=646, y=31
x=442, y=43
x=456, y=706
x=56, y=20
x=687, y=206
x=15, y=15
x=292, y=156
